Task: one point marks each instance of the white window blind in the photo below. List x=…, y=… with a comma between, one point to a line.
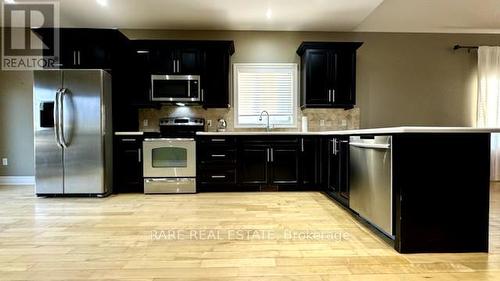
x=269, y=87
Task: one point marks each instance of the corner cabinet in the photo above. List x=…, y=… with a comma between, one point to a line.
x=328, y=77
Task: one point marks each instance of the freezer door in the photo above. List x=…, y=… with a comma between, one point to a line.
x=82, y=132
x=48, y=154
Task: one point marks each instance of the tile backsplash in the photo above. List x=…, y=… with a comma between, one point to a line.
x=333, y=119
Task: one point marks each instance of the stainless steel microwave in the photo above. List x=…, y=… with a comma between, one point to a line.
x=175, y=88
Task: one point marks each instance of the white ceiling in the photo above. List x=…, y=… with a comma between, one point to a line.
x=448, y=16
x=321, y=15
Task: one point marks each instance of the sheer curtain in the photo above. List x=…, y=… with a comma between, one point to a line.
x=489, y=100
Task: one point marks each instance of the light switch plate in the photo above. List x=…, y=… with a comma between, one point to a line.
x=344, y=123
x=5, y=162
x=145, y=123
x=321, y=123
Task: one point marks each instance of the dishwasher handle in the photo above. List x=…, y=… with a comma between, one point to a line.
x=370, y=145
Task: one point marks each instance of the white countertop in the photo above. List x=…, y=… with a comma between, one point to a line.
x=389, y=130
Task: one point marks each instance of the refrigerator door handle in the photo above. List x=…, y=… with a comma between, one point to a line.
x=56, y=118
x=62, y=140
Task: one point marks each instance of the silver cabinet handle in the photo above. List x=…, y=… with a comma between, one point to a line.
x=178, y=66
x=139, y=155
x=333, y=95
x=272, y=155
x=334, y=146
x=202, y=95
x=218, y=155
x=218, y=140
x=302, y=145
x=79, y=62
x=329, y=95
x=174, y=65
x=267, y=157
x=74, y=58
x=218, y=177
x=128, y=140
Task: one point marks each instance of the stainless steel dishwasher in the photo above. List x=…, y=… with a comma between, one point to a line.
x=371, y=180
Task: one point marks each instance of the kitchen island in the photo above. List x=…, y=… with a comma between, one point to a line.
x=437, y=178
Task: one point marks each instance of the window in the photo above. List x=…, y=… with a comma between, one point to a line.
x=269, y=87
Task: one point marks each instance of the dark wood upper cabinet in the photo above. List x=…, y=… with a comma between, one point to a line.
x=84, y=48
x=173, y=59
x=215, y=76
x=328, y=78
x=209, y=59
x=189, y=61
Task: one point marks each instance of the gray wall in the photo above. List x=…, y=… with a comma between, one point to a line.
x=403, y=79
x=16, y=122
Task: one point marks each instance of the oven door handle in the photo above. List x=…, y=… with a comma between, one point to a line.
x=160, y=180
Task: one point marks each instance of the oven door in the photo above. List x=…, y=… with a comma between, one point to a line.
x=169, y=158
x=175, y=88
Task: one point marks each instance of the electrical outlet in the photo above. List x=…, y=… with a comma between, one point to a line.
x=321, y=123
x=145, y=123
x=5, y=162
x=209, y=123
x=344, y=123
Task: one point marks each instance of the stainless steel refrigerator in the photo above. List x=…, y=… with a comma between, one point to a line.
x=73, y=132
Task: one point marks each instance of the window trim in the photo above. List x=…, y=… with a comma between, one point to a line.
x=295, y=94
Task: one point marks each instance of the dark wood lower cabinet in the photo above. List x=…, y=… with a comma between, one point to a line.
x=253, y=166
x=284, y=164
x=259, y=163
x=128, y=167
x=338, y=168
x=310, y=163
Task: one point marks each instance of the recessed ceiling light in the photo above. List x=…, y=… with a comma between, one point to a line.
x=103, y=3
x=269, y=13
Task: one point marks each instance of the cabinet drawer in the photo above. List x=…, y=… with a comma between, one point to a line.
x=217, y=176
x=217, y=155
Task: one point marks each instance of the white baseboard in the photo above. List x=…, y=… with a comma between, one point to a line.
x=10, y=180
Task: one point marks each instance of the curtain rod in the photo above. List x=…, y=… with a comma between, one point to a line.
x=456, y=47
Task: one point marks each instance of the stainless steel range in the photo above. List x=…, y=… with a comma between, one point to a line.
x=170, y=160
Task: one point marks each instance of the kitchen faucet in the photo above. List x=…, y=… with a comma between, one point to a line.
x=268, y=128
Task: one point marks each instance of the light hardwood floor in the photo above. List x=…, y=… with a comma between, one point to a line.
x=111, y=238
